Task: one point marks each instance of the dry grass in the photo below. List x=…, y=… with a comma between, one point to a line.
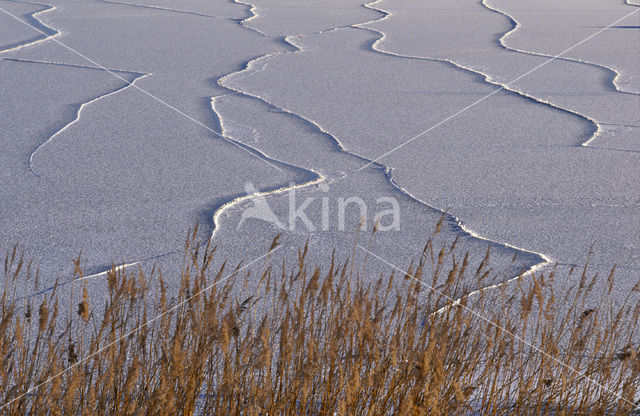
x=308, y=342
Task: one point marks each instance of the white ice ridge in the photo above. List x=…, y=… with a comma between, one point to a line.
x=53, y=33
x=249, y=149
x=253, y=66
x=77, y=117
x=616, y=75
x=597, y=126
x=253, y=14
x=318, y=177
x=59, y=285
x=516, y=26
x=544, y=260
x=127, y=84
x=117, y=268
x=46, y=31
x=528, y=273
x=257, y=64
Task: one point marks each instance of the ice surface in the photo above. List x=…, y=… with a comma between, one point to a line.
x=574, y=86
x=13, y=34
x=286, y=95
x=513, y=165
x=327, y=158
x=205, y=8
x=111, y=192
x=294, y=17
x=130, y=176
x=550, y=25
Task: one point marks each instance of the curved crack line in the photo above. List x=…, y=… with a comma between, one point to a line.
x=115, y=266
x=259, y=63
x=387, y=171
x=249, y=67
x=597, y=126
x=515, y=26
x=546, y=261
x=597, y=130
x=457, y=222
x=50, y=33
x=251, y=150
x=248, y=149
x=531, y=270
x=318, y=177
x=252, y=11
x=77, y=118
x=527, y=273
x=47, y=31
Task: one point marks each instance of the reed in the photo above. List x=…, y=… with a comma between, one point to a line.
x=315, y=343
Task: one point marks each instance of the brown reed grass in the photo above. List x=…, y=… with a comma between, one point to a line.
x=315, y=343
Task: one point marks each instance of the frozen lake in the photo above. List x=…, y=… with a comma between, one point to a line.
x=124, y=124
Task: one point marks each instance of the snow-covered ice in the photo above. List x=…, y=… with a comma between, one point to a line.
x=124, y=123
